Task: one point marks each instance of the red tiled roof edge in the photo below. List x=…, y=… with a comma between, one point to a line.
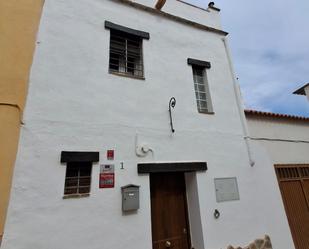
x=275, y=115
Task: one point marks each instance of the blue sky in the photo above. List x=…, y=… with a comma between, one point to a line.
x=270, y=46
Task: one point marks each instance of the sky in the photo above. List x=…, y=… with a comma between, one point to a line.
x=269, y=41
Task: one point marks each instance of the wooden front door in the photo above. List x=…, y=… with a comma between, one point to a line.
x=169, y=211
x=294, y=186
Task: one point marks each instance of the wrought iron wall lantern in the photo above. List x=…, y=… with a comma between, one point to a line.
x=171, y=105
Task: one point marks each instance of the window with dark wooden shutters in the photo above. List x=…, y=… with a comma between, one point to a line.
x=78, y=178
x=125, y=54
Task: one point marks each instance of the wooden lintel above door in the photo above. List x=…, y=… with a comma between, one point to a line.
x=144, y=168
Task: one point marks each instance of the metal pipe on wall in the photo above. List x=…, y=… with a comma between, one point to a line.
x=239, y=104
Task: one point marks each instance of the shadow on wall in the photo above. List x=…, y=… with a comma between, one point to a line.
x=257, y=244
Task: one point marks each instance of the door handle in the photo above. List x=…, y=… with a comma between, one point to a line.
x=168, y=244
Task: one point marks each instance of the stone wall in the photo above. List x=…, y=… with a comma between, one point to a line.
x=257, y=244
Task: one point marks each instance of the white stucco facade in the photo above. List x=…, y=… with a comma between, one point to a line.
x=307, y=92
x=74, y=104
x=286, y=140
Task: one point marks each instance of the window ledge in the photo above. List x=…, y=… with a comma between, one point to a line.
x=74, y=196
x=211, y=113
x=128, y=75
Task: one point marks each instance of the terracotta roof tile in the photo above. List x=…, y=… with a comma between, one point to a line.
x=275, y=115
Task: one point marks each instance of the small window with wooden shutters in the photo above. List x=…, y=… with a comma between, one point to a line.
x=78, y=179
x=125, y=55
x=201, y=87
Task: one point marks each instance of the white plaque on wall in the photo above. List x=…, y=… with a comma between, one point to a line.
x=226, y=189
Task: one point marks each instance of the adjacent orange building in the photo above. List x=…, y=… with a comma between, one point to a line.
x=19, y=22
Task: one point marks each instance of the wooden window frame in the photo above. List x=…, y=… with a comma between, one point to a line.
x=202, y=89
x=126, y=53
x=79, y=166
x=201, y=65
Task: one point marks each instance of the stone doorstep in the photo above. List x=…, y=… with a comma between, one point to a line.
x=257, y=244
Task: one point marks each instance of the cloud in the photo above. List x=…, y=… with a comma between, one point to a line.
x=269, y=42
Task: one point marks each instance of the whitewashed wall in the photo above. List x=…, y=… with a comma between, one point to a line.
x=287, y=141
x=307, y=92
x=74, y=104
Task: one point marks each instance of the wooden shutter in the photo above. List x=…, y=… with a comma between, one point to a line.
x=294, y=186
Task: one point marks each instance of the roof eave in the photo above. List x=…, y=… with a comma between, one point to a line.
x=275, y=115
x=172, y=17
x=301, y=91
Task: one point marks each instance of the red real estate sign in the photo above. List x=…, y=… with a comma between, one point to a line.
x=107, y=180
